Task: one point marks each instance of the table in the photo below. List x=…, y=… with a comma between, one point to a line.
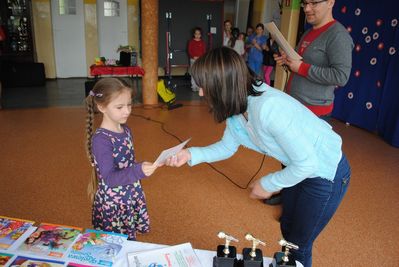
x=116, y=70
x=205, y=256
x=120, y=71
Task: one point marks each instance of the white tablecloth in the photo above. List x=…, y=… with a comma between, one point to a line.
x=205, y=256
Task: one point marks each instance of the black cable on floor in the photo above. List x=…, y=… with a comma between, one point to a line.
x=210, y=165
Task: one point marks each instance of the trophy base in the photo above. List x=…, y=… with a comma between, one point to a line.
x=278, y=261
x=223, y=260
x=249, y=261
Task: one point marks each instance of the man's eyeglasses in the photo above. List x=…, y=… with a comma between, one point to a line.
x=311, y=4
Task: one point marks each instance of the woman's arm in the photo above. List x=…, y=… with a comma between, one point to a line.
x=223, y=149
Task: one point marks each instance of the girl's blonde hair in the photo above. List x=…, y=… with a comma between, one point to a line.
x=101, y=94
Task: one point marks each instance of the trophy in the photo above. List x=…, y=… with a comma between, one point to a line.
x=282, y=258
x=252, y=257
x=226, y=255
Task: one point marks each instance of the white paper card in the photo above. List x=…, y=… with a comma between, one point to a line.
x=282, y=42
x=181, y=255
x=170, y=152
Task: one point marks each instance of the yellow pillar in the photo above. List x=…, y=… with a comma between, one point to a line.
x=91, y=35
x=149, y=33
x=257, y=12
x=41, y=12
x=289, y=29
x=133, y=18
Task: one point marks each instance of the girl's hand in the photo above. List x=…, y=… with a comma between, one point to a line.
x=258, y=192
x=179, y=159
x=148, y=168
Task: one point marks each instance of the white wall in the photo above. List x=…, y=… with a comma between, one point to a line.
x=242, y=9
x=69, y=41
x=112, y=31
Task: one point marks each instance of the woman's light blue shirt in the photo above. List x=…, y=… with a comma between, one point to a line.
x=280, y=127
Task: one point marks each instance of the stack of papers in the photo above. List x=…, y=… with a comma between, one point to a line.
x=182, y=255
x=282, y=42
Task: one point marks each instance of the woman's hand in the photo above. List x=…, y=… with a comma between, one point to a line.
x=258, y=192
x=179, y=159
x=148, y=168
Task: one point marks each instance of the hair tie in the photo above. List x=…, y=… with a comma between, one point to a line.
x=93, y=94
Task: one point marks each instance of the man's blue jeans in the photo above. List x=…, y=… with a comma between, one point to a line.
x=309, y=206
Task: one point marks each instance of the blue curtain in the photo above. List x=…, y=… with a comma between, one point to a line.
x=370, y=99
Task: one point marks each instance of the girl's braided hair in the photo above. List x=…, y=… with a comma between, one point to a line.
x=101, y=94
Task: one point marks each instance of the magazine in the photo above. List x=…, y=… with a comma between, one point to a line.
x=97, y=247
x=11, y=230
x=34, y=262
x=4, y=258
x=51, y=240
x=182, y=255
x=72, y=264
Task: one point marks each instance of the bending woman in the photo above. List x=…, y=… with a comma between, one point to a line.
x=271, y=122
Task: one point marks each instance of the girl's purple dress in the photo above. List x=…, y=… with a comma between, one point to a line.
x=119, y=203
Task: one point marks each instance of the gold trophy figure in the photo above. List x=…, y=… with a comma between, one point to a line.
x=226, y=255
x=228, y=238
x=282, y=258
x=252, y=257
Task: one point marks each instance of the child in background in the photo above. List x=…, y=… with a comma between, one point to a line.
x=269, y=63
x=196, y=48
x=118, y=200
x=249, y=32
x=226, y=32
x=255, y=54
x=236, y=43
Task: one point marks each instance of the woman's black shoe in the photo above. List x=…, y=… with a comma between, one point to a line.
x=273, y=200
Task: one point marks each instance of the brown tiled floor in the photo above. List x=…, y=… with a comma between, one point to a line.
x=44, y=174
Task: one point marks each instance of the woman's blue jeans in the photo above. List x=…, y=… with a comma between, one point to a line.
x=309, y=206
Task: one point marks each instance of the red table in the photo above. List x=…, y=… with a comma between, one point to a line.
x=116, y=70
x=131, y=71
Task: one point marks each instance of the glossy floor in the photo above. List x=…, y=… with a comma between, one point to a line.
x=44, y=174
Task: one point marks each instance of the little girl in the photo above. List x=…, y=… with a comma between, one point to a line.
x=237, y=42
x=196, y=48
x=118, y=200
x=270, y=48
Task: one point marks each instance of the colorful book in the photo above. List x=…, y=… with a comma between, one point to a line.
x=4, y=258
x=11, y=230
x=97, y=247
x=51, y=240
x=72, y=264
x=33, y=262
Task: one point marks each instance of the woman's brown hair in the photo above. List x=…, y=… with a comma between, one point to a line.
x=101, y=94
x=226, y=82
